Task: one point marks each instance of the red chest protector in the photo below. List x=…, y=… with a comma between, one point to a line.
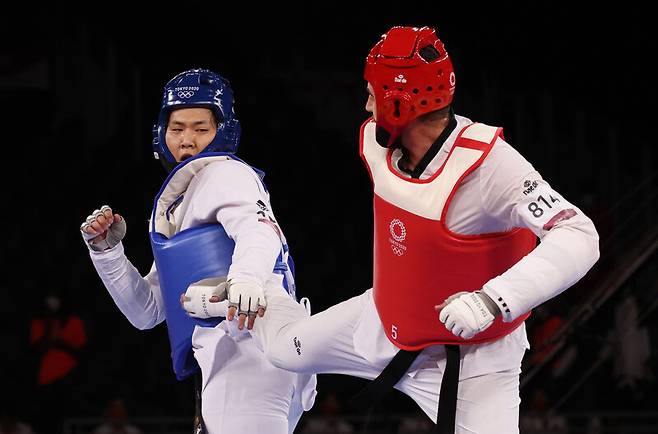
x=418, y=261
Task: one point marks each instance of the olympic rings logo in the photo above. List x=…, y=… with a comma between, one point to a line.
x=398, y=251
x=397, y=224
x=185, y=94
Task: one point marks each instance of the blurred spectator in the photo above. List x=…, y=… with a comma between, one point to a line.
x=57, y=336
x=416, y=424
x=9, y=425
x=548, y=325
x=329, y=421
x=631, y=363
x=540, y=419
x=116, y=420
x=594, y=425
x=9, y=422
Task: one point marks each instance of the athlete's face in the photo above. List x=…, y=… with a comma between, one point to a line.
x=370, y=104
x=189, y=131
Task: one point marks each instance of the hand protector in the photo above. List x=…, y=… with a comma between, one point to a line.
x=203, y=299
x=466, y=314
x=115, y=232
x=247, y=297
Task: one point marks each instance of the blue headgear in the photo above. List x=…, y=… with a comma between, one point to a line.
x=198, y=88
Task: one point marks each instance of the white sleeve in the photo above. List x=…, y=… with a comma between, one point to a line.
x=139, y=298
x=230, y=193
x=513, y=192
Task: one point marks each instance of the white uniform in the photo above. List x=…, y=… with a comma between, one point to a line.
x=238, y=382
x=348, y=338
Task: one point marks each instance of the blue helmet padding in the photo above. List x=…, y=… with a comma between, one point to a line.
x=199, y=88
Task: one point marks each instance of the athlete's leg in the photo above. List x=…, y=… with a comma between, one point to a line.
x=321, y=343
x=488, y=392
x=303, y=398
x=239, y=384
x=325, y=343
x=487, y=404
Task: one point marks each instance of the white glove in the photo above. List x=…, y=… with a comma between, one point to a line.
x=206, y=298
x=249, y=300
x=102, y=229
x=466, y=314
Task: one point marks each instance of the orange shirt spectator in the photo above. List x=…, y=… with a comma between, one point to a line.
x=59, y=338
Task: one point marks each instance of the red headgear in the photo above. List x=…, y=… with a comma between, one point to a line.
x=411, y=74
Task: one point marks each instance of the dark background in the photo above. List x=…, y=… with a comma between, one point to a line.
x=574, y=90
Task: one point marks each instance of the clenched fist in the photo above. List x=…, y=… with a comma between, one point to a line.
x=466, y=314
x=103, y=229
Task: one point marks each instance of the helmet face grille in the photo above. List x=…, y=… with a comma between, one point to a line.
x=429, y=53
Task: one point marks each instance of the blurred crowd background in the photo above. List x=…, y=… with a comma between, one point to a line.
x=574, y=91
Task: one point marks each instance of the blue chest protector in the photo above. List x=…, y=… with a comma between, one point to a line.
x=192, y=255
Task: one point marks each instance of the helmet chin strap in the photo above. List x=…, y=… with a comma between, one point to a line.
x=384, y=138
x=387, y=135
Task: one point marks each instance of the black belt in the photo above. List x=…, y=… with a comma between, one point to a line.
x=445, y=416
x=199, y=426
x=398, y=367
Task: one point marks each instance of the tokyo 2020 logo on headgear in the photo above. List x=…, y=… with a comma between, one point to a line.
x=185, y=94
